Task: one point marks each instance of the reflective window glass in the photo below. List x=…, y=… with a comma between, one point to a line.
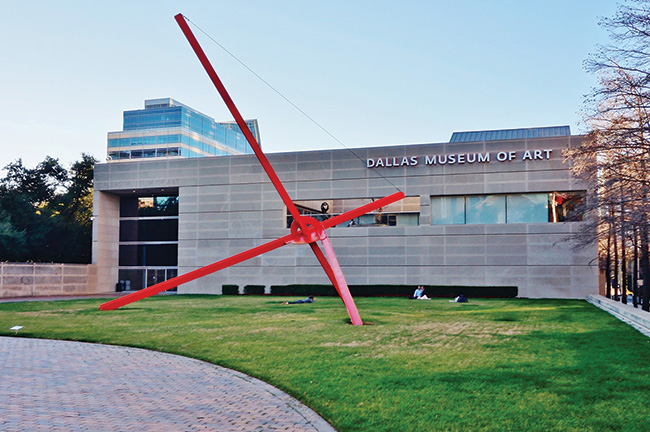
x=564, y=206
x=447, y=210
x=133, y=206
x=148, y=255
x=131, y=279
x=149, y=230
x=527, y=208
x=485, y=209
x=404, y=212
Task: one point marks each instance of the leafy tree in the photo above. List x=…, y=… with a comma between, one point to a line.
x=45, y=212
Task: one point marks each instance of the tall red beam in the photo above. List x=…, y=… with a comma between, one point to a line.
x=180, y=19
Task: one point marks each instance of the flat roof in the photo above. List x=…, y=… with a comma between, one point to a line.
x=508, y=134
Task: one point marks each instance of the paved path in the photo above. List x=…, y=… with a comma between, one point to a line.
x=48, y=385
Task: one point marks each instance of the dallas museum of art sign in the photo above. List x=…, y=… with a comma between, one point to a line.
x=458, y=158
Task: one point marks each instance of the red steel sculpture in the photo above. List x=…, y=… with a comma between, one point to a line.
x=304, y=229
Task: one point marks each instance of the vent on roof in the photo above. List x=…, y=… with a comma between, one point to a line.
x=510, y=134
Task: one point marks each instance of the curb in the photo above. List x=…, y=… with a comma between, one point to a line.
x=637, y=318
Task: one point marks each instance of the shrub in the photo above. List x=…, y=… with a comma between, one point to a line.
x=230, y=289
x=303, y=290
x=254, y=289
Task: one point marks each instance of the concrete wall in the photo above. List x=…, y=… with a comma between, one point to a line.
x=227, y=205
x=37, y=279
x=105, y=251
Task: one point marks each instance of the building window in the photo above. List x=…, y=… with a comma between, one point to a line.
x=563, y=205
x=148, y=242
x=486, y=209
x=448, y=210
x=506, y=208
x=405, y=212
x=131, y=206
x=528, y=208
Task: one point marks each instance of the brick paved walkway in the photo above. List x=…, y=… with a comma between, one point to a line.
x=50, y=385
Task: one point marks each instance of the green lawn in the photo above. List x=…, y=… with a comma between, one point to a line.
x=489, y=365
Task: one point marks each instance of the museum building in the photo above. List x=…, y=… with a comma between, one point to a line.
x=486, y=209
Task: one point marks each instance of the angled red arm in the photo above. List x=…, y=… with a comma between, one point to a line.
x=238, y=117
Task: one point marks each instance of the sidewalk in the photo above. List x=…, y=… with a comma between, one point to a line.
x=48, y=385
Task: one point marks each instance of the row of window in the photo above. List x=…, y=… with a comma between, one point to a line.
x=453, y=210
x=144, y=153
x=232, y=142
x=144, y=140
x=506, y=208
x=403, y=212
x=150, y=153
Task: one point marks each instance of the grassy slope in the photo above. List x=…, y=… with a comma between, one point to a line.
x=489, y=365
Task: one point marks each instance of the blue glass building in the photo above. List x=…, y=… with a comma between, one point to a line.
x=167, y=128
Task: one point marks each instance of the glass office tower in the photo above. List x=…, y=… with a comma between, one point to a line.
x=167, y=128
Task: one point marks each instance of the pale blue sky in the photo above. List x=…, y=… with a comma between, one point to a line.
x=373, y=73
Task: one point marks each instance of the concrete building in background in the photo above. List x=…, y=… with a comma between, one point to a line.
x=488, y=208
x=167, y=128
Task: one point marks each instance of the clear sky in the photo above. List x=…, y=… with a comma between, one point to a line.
x=373, y=73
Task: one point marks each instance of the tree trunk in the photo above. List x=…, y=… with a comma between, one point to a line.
x=623, y=260
x=608, y=266
x=616, y=282
x=635, y=271
x=645, y=268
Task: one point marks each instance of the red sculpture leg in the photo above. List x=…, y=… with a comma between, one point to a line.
x=333, y=270
x=195, y=274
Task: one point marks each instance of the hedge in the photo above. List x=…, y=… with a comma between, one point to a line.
x=230, y=289
x=397, y=290
x=254, y=289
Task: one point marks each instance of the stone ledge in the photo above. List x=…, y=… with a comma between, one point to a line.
x=637, y=318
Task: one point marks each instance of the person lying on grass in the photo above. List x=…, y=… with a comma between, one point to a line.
x=309, y=299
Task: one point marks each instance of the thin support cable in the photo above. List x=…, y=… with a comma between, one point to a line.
x=288, y=101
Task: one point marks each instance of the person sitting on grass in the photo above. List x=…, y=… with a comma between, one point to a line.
x=309, y=299
x=419, y=294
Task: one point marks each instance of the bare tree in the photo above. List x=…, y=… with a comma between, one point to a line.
x=614, y=153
